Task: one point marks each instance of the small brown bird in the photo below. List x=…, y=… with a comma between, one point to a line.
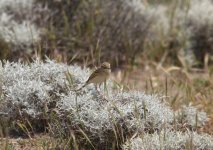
x=99, y=76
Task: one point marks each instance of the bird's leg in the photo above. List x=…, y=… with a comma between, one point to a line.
x=105, y=90
x=99, y=86
x=96, y=87
x=105, y=87
x=102, y=94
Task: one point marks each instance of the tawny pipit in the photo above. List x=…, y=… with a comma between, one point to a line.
x=99, y=76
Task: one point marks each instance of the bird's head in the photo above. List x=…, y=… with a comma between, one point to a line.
x=105, y=65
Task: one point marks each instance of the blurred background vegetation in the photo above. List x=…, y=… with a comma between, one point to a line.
x=120, y=31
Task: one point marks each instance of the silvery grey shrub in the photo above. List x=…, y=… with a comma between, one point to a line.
x=30, y=89
x=16, y=24
x=168, y=139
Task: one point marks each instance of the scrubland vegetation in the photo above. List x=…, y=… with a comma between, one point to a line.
x=158, y=97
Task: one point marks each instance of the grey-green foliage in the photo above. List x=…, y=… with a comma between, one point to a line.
x=30, y=89
x=134, y=110
x=16, y=23
x=168, y=139
x=191, y=116
x=31, y=86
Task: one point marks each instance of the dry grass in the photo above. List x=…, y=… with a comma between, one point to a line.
x=37, y=142
x=180, y=87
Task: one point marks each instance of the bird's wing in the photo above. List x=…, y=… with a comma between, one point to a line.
x=96, y=73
